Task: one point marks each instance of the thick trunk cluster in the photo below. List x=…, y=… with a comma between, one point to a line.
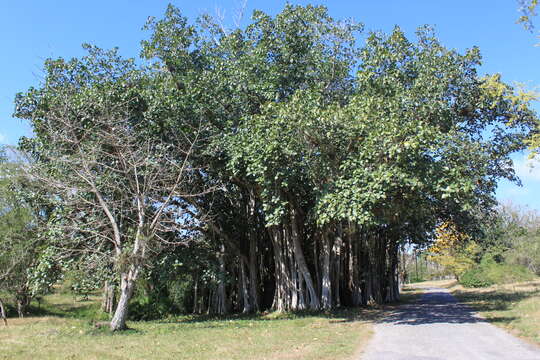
x=291, y=266
x=304, y=269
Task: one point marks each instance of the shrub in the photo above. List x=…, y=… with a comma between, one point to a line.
x=155, y=300
x=489, y=272
x=475, y=278
x=505, y=273
x=416, y=279
x=526, y=252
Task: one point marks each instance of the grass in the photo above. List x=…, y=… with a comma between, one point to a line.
x=59, y=332
x=67, y=306
x=432, y=283
x=515, y=307
x=408, y=294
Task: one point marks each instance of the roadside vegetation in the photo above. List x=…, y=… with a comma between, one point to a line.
x=515, y=307
x=504, y=249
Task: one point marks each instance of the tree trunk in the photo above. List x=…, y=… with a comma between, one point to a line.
x=314, y=303
x=301, y=292
x=294, y=284
x=393, y=257
x=3, y=313
x=196, y=294
x=316, y=263
x=354, y=270
x=326, y=286
x=247, y=308
x=253, y=274
x=127, y=285
x=281, y=277
x=109, y=298
x=379, y=266
x=204, y=302
x=222, y=305
x=253, y=271
x=369, y=266
x=23, y=299
x=20, y=308
x=336, y=261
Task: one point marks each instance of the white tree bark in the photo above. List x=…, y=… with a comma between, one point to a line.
x=127, y=285
x=3, y=313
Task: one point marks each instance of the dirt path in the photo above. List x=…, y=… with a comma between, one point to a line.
x=438, y=327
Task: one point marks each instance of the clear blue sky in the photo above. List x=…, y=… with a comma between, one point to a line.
x=34, y=30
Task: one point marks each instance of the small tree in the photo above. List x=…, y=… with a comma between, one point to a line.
x=453, y=250
x=120, y=190
x=19, y=243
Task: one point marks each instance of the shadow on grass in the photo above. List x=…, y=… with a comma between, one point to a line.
x=65, y=311
x=338, y=315
x=90, y=310
x=501, y=319
x=493, y=300
x=80, y=309
x=106, y=331
x=439, y=307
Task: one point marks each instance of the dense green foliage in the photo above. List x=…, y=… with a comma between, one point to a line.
x=519, y=230
x=278, y=166
x=20, y=242
x=490, y=272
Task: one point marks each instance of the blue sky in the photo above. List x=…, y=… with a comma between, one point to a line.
x=34, y=30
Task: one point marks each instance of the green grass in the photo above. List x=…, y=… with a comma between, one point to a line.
x=65, y=305
x=515, y=307
x=409, y=294
x=64, y=329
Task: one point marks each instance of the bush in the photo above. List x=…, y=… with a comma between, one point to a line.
x=489, y=272
x=149, y=308
x=155, y=300
x=416, y=279
x=475, y=278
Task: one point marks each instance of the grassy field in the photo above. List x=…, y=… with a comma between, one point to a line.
x=515, y=307
x=60, y=333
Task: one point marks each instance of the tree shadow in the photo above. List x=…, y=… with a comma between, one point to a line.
x=77, y=309
x=344, y=314
x=106, y=331
x=440, y=307
x=433, y=307
x=501, y=319
x=494, y=300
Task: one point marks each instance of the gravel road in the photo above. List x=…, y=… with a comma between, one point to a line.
x=438, y=327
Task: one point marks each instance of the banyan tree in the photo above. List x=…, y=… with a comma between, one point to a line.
x=315, y=157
